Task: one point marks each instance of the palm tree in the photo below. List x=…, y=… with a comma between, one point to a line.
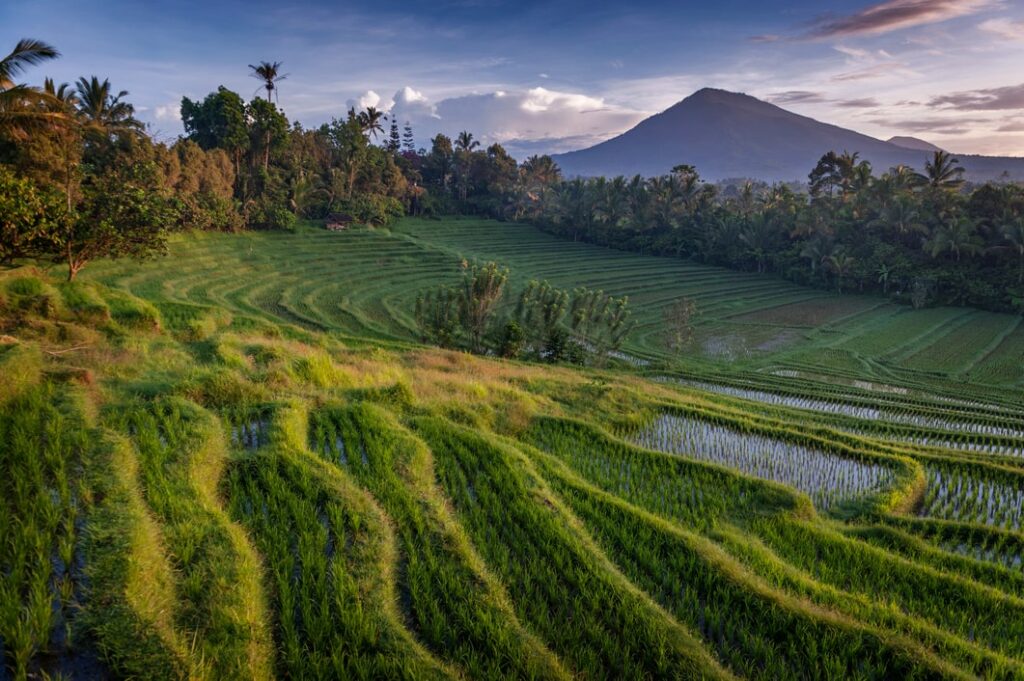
x=17, y=101
x=103, y=111
x=465, y=141
x=942, y=172
x=840, y=263
x=957, y=236
x=900, y=216
x=816, y=251
x=27, y=52
x=884, y=273
x=1013, y=233
x=267, y=72
x=371, y=121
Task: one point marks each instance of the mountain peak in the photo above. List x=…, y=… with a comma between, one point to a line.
x=732, y=134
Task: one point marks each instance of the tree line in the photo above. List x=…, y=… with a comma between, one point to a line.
x=922, y=238
x=80, y=178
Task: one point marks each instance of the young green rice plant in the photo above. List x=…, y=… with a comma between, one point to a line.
x=922, y=552
x=43, y=438
x=983, y=543
x=328, y=554
x=692, y=492
x=754, y=630
x=575, y=444
x=966, y=494
x=455, y=607
x=828, y=479
x=132, y=602
x=983, y=437
x=960, y=606
x=182, y=454
x=249, y=426
x=559, y=582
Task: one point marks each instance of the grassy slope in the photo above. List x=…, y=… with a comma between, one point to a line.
x=363, y=284
x=217, y=471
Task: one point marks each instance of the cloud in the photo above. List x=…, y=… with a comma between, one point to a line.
x=861, y=103
x=1004, y=28
x=368, y=99
x=535, y=120
x=938, y=126
x=871, y=72
x=992, y=99
x=797, y=97
x=167, y=112
x=894, y=15
x=1011, y=126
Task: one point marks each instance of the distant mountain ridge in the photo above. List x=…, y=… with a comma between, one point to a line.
x=915, y=143
x=728, y=134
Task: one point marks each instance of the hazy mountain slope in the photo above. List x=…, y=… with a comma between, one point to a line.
x=726, y=134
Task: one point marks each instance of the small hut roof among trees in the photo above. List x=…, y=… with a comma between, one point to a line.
x=336, y=221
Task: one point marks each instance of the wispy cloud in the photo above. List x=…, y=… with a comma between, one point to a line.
x=1004, y=28
x=894, y=15
x=797, y=97
x=939, y=126
x=808, y=97
x=882, y=70
x=991, y=99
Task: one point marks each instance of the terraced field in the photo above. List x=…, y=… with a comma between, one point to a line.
x=235, y=463
x=364, y=283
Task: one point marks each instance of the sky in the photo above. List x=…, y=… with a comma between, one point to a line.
x=543, y=77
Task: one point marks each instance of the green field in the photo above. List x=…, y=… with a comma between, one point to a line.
x=363, y=284
x=235, y=462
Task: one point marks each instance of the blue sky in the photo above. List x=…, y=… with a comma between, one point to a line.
x=549, y=76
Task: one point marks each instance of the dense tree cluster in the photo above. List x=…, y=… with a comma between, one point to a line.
x=545, y=324
x=923, y=238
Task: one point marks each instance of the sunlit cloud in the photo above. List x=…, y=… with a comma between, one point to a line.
x=894, y=15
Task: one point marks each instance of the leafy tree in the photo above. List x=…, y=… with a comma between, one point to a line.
x=219, y=121
x=600, y=322
x=370, y=121
x=679, y=318
x=408, y=139
x=27, y=215
x=394, y=139
x=540, y=310
x=122, y=213
x=513, y=340
x=465, y=142
x=19, y=104
x=480, y=292
x=438, y=316
x=102, y=111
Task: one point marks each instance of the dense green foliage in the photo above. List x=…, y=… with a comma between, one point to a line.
x=923, y=239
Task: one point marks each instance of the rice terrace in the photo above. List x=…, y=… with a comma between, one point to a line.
x=356, y=393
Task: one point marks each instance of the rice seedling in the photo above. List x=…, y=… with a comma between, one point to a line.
x=41, y=510
x=828, y=479
x=453, y=605
x=586, y=613
x=968, y=495
x=328, y=553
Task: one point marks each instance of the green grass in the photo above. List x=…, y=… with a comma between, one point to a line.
x=364, y=283
x=236, y=463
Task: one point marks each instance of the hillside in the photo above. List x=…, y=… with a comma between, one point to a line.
x=914, y=143
x=235, y=462
x=726, y=134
